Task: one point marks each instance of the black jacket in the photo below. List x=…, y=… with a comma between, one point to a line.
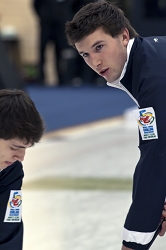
x=11, y=233
x=145, y=79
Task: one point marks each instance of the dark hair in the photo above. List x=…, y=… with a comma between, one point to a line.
x=100, y=14
x=19, y=117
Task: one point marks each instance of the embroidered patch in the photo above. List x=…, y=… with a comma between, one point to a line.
x=14, y=207
x=147, y=123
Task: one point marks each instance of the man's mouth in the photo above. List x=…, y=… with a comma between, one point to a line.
x=103, y=72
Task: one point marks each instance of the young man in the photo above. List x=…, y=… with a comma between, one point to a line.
x=111, y=47
x=20, y=128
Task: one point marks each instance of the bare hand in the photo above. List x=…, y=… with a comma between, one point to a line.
x=163, y=230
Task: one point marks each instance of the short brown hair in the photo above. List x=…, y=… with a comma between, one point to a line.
x=19, y=117
x=100, y=14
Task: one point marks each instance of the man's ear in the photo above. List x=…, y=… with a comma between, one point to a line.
x=125, y=37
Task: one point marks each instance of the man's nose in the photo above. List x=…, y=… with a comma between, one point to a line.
x=95, y=61
x=19, y=156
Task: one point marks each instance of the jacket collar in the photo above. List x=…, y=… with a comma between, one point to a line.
x=116, y=83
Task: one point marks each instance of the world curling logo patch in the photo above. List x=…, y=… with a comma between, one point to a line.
x=147, y=123
x=14, y=207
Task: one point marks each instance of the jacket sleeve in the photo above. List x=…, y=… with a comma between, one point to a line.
x=149, y=182
x=11, y=226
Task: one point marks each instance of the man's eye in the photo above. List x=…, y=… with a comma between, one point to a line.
x=14, y=148
x=84, y=54
x=99, y=47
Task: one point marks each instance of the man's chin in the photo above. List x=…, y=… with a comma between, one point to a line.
x=8, y=163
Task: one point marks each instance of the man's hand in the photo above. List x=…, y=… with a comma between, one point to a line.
x=126, y=248
x=163, y=230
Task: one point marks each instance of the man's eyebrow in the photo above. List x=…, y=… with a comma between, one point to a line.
x=96, y=43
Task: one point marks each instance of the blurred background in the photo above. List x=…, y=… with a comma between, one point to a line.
x=78, y=180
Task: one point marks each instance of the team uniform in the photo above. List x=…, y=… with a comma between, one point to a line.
x=11, y=226
x=144, y=79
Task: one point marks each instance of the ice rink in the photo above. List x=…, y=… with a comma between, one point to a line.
x=60, y=210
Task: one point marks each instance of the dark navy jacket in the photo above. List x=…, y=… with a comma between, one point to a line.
x=11, y=233
x=145, y=79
